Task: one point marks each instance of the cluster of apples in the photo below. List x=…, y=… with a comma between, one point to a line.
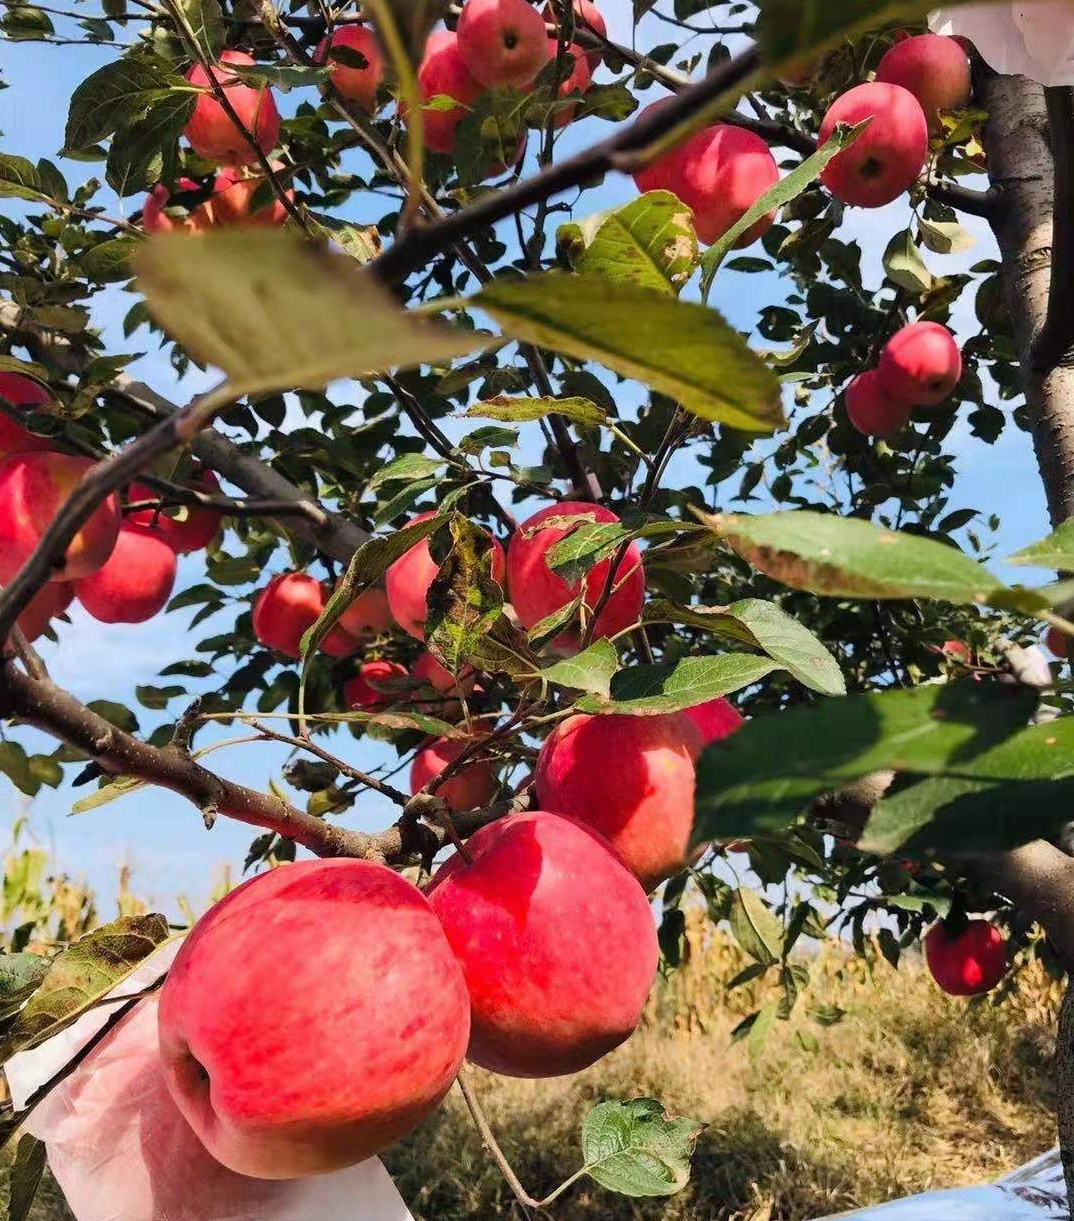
x=920, y=366
x=121, y=567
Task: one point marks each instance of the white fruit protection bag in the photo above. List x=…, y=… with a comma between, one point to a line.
x=1034, y=39
x=121, y=1150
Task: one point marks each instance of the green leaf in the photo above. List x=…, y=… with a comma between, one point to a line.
x=157, y=698
x=404, y=469
x=117, y=95
x=755, y=927
x=118, y=787
x=16, y=767
x=523, y=410
x=19, y=179
x=588, y=544
x=24, y=1176
x=138, y=153
x=679, y=348
x=591, y=670
x=108, y=262
x=20, y=975
x=207, y=24
x=651, y=690
x=115, y=714
x=25, y=23
x=782, y=193
x=762, y=625
x=845, y=557
x=465, y=604
x=945, y=237
x=650, y=242
x=81, y=975
x=759, y=780
x=1055, y=551
x=904, y=265
x=636, y=1149
x=277, y=313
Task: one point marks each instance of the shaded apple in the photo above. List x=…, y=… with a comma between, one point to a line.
x=356, y=84
x=50, y=601
x=444, y=74
x=472, y=788
x=556, y=940
x=921, y=364
x=33, y=489
x=312, y=1018
x=366, y=690
x=287, y=608
x=632, y=779
x=185, y=528
x=969, y=962
x=19, y=391
x=134, y=584
x=367, y=616
x=871, y=409
x=579, y=80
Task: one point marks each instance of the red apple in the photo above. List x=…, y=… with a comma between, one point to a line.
x=356, y=84
x=1059, y=644
x=502, y=42
x=443, y=74
x=287, y=608
x=630, y=778
x=367, y=616
x=921, y=364
x=556, y=940
x=313, y=1018
x=934, y=69
x=408, y=579
x=579, y=80
x=887, y=157
x=50, y=601
x=968, y=963
x=186, y=528
x=33, y=489
x=135, y=583
x=871, y=409
x=470, y=789
x=537, y=592
x=19, y=391
x=155, y=218
x=366, y=691
x=587, y=17
x=719, y=173
x=210, y=130
x=715, y=720
x=430, y=671
x=233, y=197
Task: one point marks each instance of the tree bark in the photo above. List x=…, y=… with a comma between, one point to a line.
x=1031, y=229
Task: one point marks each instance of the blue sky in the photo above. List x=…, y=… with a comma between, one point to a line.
x=161, y=836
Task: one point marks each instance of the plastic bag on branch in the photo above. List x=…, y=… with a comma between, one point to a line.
x=1034, y=39
x=121, y=1150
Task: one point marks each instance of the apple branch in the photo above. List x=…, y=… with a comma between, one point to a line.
x=1055, y=343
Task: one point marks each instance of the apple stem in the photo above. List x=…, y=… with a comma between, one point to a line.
x=488, y=1139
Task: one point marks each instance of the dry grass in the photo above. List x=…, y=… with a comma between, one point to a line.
x=909, y=1092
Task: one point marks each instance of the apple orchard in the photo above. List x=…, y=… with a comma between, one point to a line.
x=636, y=613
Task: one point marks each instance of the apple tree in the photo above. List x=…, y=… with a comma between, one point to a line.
x=484, y=486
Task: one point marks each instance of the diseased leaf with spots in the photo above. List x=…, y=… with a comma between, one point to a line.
x=81, y=975
x=20, y=974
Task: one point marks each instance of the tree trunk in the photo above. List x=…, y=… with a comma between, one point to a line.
x=1024, y=172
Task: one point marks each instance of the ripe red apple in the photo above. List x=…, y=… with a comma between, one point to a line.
x=632, y=779
x=719, y=173
x=233, y=197
x=587, y=17
x=135, y=583
x=443, y=74
x=957, y=650
x=33, y=489
x=969, y=963
x=366, y=690
x=287, y=608
x=356, y=84
x=536, y=591
x=50, y=601
x=715, y=720
x=430, y=671
x=887, y=157
x=19, y=391
x=472, y=788
x=367, y=616
x=921, y=364
x=556, y=940
x=502, y=42
x=871, y=409
x=1059, y=644
x=186, y=528
x=407, y=582
x=579, y=80
x=211, y=132
x=155, y=218
x=312, y=1018
x=934, y=69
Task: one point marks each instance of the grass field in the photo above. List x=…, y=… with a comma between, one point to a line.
x=910, y=1091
